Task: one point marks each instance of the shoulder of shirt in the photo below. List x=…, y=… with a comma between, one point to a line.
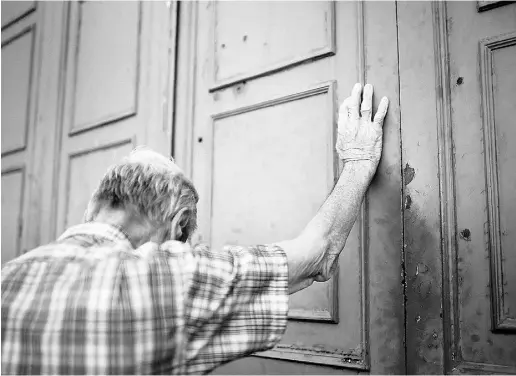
x=176, y=247
x=58, y=250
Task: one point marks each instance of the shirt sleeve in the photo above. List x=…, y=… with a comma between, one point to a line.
x=236, y=304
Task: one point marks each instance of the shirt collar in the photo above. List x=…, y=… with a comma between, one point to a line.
x=99, y=230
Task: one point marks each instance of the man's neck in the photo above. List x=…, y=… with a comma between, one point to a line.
x=134, y=229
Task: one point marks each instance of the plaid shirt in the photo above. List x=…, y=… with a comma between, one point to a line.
x=91, y=304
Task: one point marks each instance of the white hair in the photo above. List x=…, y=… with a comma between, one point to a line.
x=153, y=187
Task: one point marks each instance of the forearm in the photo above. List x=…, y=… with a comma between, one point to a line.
x=334, y=220
x=312, y=254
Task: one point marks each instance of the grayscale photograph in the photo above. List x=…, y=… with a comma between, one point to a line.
x=258, y=187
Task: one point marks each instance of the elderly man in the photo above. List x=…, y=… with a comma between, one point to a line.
x=125, y=293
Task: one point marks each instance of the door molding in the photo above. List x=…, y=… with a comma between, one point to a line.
x=446, y=186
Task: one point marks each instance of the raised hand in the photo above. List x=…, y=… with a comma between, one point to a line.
x=360, y=137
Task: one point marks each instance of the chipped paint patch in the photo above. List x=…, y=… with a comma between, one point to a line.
x=408, y=174
x=408, y=202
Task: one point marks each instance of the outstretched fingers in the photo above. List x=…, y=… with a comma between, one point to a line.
x=367, y=102
x=343, y=115
x=380, y=113
x=354, y=101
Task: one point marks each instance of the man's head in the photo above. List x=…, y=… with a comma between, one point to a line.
x=148, y=197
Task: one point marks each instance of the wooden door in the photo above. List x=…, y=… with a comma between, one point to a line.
x=116, y=91
x=20, y=54
x=458, y=90
x=259, y=86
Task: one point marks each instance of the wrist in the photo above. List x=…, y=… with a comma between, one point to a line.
x=361, y=170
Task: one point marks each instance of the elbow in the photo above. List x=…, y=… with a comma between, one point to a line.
x=324, y=255
x=318, y=246
x=307, y=256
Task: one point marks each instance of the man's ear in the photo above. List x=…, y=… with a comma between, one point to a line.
x=178, y=226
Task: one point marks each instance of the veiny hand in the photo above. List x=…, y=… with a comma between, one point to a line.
x=359, y=138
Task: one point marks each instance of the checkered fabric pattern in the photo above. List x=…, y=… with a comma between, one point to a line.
x=91, y=304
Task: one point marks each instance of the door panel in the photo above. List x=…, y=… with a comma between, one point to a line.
x=269, y=36
x=264, y=160
x=17, y=58
x=263, y=105
x=110, y=63
x=111, y=103
x=498, y=57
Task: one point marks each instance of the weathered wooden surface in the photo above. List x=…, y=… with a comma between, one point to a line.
x=421, y=198
x=482, y=52
x=458, y=190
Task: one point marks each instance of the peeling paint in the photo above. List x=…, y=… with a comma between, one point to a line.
x=408, y=202
x=408, y=174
